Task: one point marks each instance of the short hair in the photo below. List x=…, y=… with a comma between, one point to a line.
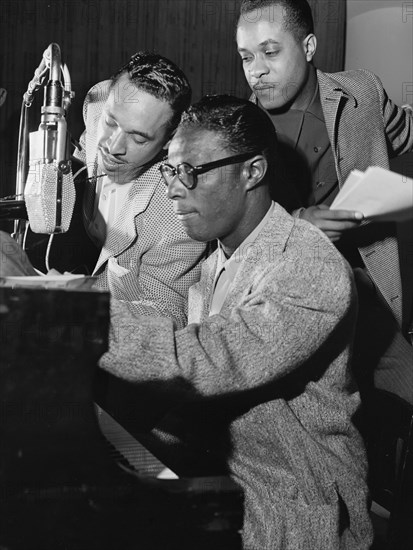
x=298, y=19
x=161, y=78
x=242, y=126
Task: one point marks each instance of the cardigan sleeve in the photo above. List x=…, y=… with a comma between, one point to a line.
x=292, y=310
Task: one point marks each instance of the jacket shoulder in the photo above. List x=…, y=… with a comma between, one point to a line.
x=353, y=80
x=98, y=92
x=96, y=97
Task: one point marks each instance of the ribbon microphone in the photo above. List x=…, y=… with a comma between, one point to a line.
x=49, y=192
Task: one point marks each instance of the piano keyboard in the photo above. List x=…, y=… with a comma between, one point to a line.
x=126, y=450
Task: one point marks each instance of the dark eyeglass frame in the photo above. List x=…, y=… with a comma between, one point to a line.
x=193, y=171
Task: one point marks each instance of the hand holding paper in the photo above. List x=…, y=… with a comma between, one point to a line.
x=377, y=193
x=332, y=222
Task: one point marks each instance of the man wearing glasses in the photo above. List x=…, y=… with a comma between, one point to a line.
x=261, y=372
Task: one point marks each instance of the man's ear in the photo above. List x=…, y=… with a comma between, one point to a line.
x=168, y=141
x=310, y=46
x=166, y=144
x=254, y=171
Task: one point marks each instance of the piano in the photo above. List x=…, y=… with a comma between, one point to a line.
x=71, y=476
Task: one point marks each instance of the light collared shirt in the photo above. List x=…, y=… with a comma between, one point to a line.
x=109, y=200
x=227, y=267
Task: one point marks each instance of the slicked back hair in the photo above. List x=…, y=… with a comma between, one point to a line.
x=242, y=127
x=298, y=19
x=160, y=77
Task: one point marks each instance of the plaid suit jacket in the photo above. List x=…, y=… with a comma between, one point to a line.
x=147, y=258
x=365, y=127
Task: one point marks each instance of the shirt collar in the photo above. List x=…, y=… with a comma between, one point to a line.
x=232, y=264
x=315, y=106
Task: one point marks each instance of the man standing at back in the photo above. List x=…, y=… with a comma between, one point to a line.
x=330, y=124
x=146, y=258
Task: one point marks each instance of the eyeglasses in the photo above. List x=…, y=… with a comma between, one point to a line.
x=187, y=173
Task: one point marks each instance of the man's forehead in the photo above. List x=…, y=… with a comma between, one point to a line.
x=125, y=93
x=274, y=13
x=270, y=18
x=137, y=110
x=193, y=142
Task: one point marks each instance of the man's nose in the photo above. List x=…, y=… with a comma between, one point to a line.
x=116, y=143
x=258, y=68
x=175, y=189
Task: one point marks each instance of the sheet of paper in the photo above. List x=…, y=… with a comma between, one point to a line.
x=351, y=182
x=378, y=193
x=48, y=281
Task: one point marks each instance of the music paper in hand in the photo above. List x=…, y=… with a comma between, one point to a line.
x=377, y=193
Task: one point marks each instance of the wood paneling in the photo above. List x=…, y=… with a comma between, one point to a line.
x=96, y=37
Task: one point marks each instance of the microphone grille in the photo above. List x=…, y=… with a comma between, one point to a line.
x=50, y=198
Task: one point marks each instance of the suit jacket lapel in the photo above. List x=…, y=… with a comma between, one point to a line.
x=200, y=294
x=269, y=244
x=124, y=231
x=89, y=194
x=331, y=93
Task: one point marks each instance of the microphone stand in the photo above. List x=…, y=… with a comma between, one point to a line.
x=21, y=175
x=23, y=148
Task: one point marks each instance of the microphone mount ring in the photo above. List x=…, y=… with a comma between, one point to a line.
x=64, y=166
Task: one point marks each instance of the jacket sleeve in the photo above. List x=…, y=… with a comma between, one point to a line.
x=398, y=122
x=166, y=272
x=156, y=269
x=280, y=323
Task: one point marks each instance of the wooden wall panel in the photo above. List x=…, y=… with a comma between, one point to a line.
x=96, y=37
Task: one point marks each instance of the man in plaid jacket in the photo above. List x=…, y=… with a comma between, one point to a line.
x=330, y=124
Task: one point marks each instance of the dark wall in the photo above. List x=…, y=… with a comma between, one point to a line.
x=96, y=37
